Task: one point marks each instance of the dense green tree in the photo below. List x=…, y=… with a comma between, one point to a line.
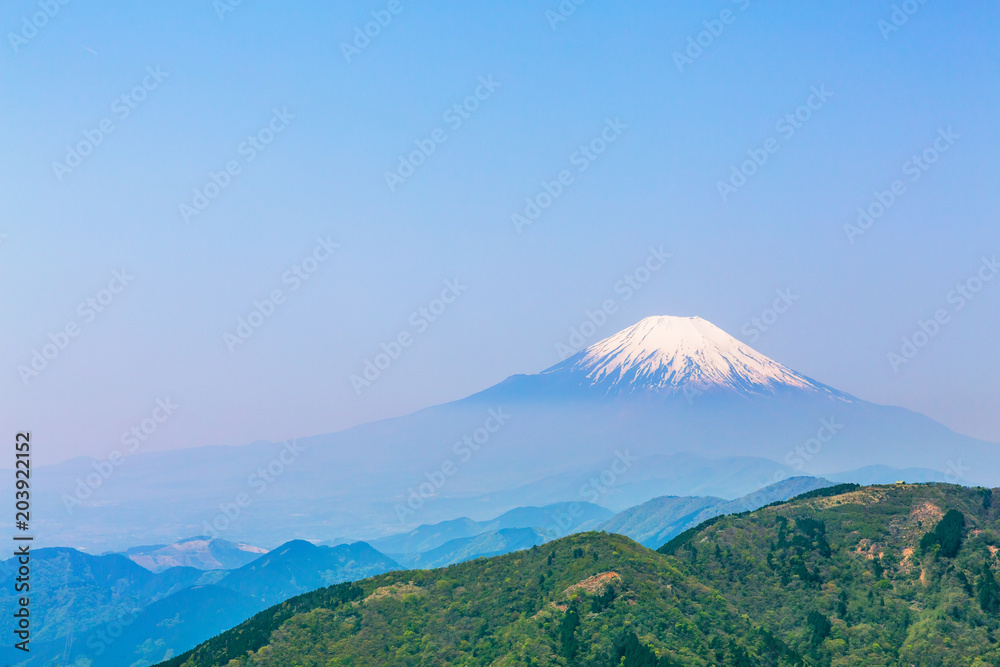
x=947, y=534
x=568, y=644
x=819, y=625
x=988, y=591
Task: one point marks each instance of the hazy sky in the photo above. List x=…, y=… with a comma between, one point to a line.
x=619, y=100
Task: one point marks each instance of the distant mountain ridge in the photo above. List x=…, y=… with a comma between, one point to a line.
x=664, y=387
x=655, y=522
x=110, y=610
x=555, y=520
x=299, y=566
x=483, y=545
x=203, y=553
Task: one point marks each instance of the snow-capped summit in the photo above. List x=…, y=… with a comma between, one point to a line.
x=668, y=355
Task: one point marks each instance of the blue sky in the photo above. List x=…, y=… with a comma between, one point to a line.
x=344, y=122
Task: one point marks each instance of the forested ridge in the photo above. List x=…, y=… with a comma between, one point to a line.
x=883, y=575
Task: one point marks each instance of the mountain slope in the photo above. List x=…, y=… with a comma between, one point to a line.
x=679, y=355
x=202, y=553
x=557, y=519
x=74, y=592
x=885, y=575
x=427, y=536
x=169, y=626
x=109, y=610
x=653, y=523
x=298, y=566
x=568, y=602
x=490, y=543
x=661, y=518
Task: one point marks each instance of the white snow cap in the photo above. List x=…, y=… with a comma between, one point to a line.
x=679, y=354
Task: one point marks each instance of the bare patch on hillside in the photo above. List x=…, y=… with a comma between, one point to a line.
x=396, y=591
x=870, y=496
x=906, y=564
x=927, y=514
x=594, y=585
x=868, y=549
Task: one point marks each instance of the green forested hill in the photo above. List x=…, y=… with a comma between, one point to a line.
x=884, y=575
x=888, y=575
x=582, y=600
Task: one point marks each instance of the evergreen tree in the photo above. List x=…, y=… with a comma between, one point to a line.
x=567, y=634
x=989, y=591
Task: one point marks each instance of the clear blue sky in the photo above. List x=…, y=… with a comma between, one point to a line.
x=323, y=175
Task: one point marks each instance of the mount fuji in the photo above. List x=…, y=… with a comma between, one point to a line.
x=678, y=355
x=668, y=406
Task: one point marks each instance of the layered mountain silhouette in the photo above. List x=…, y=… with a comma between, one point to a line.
x=108, y=610
x=199, y=552
x=655, y=522
x=667, y=390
